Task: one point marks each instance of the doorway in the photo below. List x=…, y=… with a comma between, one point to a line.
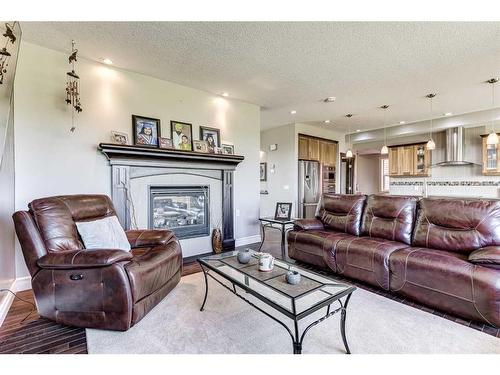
x=346, y=174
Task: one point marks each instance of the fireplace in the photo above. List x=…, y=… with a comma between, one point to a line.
x=182, y=209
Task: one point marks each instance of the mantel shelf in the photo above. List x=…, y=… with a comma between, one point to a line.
x=112, y=150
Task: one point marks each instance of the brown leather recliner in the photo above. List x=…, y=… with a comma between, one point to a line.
x=98, y=288
x=444, y=253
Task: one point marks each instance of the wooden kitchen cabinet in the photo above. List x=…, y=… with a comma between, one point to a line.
x=317, y=149
x=328, y=153
x=394, y=161
x=314, y=149
x=303, y=148
x=491, y=158
x=421, y=161
x=409, y=160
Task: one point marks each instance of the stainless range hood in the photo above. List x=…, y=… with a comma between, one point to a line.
x=455, y=142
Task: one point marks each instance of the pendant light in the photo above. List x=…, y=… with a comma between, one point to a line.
x=431, y=145
x=385, y=150
x=348, y=154
x=492, y=139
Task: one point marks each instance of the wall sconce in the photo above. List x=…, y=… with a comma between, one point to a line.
x=4, y=54
x=273, y=168
x=273, y=147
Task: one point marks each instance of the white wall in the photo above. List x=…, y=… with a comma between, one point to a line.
x=7, y=235
x=283, y=184
x=280, y=183
x=51, y=160
x=367, y=174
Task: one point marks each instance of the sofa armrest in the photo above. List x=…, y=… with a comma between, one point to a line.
x=83, y=258
x=486, y=256
x=308, y=224
x=149, y=237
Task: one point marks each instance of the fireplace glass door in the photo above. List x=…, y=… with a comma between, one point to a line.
x=182, y=209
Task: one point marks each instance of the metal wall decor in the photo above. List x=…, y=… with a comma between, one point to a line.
x=73, y=87
x=4, y=54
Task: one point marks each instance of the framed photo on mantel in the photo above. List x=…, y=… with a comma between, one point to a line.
x=146, y=130
x=212, y=137
x=182, y=135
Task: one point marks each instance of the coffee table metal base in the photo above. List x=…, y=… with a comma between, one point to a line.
x=297, y=338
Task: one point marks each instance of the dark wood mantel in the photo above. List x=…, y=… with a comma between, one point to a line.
x=127, y=161
x=112, y=150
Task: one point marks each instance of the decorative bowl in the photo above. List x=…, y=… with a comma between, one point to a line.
x=244, y=256
x=293, y=277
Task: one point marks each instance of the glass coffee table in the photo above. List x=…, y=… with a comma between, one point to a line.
x=295, y=302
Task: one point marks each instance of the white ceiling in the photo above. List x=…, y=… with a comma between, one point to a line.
x=284, y=65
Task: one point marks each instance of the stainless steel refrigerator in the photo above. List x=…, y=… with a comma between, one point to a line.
x=309, y=188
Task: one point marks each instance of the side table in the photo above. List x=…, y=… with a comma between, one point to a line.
x=283, y=225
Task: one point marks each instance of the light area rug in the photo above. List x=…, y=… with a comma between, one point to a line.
x=375, y=324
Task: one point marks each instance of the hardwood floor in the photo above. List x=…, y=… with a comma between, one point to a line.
x=37, y=335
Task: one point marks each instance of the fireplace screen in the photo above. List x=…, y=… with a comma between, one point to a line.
x=182, y=209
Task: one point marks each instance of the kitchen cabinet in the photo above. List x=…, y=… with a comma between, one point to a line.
x=328, y=153
x=421, y=161
x=491, y=158
x=314, y=149
x=394, y=161
x=317, y=149
x=409, y=161
x=303, y=148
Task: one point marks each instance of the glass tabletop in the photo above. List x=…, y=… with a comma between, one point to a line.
x=271, y=219
x=311, y=293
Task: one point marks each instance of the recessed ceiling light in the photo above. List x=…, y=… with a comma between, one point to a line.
x=447, y=114
x=327, y=121
x=225, y=94
x=358, y=130
x=402, y=122
x=293, y=111
x=107, y=61
x=330, y=99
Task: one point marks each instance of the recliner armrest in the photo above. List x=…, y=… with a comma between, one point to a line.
x=85, y=258
x=308, y=224
x=149, y=237
x=486, y=256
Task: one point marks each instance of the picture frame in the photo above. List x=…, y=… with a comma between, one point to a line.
x=227, y=149
x=218, y=150
x=283, y=211
x=263, y=171
x=200, y=146
x=211, y=136
x=119, y=137
x=182, y=135
x=165, y=143
x=146, y=131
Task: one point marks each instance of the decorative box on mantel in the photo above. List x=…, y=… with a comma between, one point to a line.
x=130, y=164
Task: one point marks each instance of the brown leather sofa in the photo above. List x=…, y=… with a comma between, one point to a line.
x=444, y=253
x=104, y=288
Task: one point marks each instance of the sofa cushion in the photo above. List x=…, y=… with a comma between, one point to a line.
x=446, y=279
x=459, y=225
x=341, y=212
x=365, y=259
x=151, y=268
x=389, y=217
x=486, y=256
x=310, y=246
x=105, y=233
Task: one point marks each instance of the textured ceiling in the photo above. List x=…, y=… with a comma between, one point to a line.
x=283, y=65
